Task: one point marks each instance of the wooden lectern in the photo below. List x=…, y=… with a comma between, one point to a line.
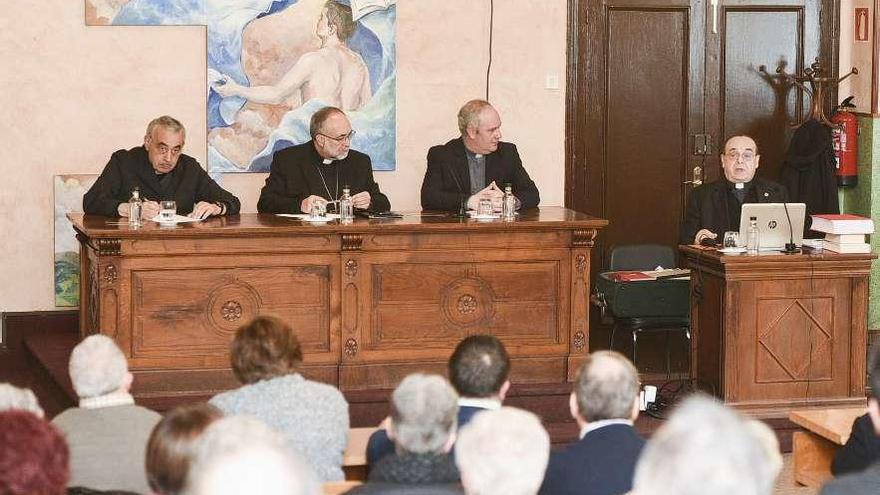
x=774, y=332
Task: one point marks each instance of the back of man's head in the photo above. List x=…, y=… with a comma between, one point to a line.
x=606, y=387
x=238, y=455
x=705, y=447
x=479, y=366
x=502, y=452
x=97, y=367
x=424, y=414
x=12, y=397
x=33, y=455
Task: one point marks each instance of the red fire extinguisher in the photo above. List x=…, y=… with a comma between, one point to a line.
x=845, y=136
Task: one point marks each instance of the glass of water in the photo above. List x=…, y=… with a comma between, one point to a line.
x=484, y=208
x=731, y=240
x=319, y=209
x=167, y=211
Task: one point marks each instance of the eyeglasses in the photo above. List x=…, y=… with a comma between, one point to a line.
x=746, y=156
x=344, y=137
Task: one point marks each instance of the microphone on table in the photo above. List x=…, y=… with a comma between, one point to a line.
x=462, y=198
x=790, y=246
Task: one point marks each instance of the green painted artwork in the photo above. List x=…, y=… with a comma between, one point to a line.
x=69, y=191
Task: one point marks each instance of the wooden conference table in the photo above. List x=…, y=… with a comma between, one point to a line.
x=370, y=301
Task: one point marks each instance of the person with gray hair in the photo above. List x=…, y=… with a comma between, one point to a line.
x=706, y=447
x=241, y=455
x=476, y=165
x=604, y=403
x=107, y=432
x=422, y=425
x=502, y=452
x=160, y=171
x=12, y=397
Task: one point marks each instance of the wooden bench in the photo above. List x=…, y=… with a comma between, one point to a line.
x=814, y=449
x=354, y=461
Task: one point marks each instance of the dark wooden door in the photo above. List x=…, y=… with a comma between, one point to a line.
x=648, y=78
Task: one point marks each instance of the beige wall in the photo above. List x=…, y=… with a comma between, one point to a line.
x=857, y=54
x=72, y=94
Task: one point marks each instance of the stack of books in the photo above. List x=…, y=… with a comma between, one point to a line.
x=844, y=233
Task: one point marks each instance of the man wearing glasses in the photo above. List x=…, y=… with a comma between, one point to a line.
x=319, y=169
x=715, y=207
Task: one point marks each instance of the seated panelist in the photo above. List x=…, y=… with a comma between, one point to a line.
x=161, y=172
x=319, y=170
x=476, y=165
x=715, y=208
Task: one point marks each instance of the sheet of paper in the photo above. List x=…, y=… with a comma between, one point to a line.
x=177, y=219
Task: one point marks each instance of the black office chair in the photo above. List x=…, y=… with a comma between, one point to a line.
x=654, y=315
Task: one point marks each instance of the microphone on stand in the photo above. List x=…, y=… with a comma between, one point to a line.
x=462, y=197
x=790, y=246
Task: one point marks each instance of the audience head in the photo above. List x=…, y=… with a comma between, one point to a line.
x=740, y=159
x=606, y=387
x=479, y=367
x=238, y=455
x=480, y=126
x=12, y=397
x=424, y=413
x=33, y=455
x=172, y=446
x=264, y=348
x=98, y=367
x=164, y=142
x=503, y=452
x=874, y=380
x=705, y=447
x=331, y=133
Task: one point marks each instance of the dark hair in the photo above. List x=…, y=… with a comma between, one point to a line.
x=319, y=117
x=171, y=447
x=33, y=455
x=339, y=15
x=479, y=366
x=265, y=348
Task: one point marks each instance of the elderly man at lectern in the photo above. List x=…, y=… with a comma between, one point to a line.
x=160, y=171
x=715, y=208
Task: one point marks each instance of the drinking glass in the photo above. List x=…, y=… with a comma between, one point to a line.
x=319, y=209
x=731, y=240
x=484, y=208
x=167, y=211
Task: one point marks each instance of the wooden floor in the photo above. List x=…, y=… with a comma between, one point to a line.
x=36, y=348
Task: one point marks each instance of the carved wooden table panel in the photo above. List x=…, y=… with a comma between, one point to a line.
x=371, y=301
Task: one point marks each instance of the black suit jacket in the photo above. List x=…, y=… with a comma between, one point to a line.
x=448, y=180
x=127, y=169
x=601, y=463
x=861, y=450
x=294, y=176
x=867, y=481
x=708, y=207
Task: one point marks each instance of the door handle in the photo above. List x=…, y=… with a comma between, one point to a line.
x=697, y=176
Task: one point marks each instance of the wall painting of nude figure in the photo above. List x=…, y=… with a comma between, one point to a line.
x=272, y=64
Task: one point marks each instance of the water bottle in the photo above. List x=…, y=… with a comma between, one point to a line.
x=135, y=206
x=752, y=241
x=508, y=207
x=346, y=207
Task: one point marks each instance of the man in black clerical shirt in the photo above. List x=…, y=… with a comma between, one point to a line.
x=476, y=165
x=319, y=170
x=160, y=171
x=715, y=207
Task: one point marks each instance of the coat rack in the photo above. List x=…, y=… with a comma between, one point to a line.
x=818, y=86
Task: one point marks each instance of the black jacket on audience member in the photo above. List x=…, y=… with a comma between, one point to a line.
x=412, y=474
x=860, y=451
x=601, y=463
x=187, y=184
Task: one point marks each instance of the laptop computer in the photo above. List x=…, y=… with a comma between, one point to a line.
x=774, y=228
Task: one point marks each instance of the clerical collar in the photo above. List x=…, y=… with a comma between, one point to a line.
x=472, y=154
x=739, y=185
x=327, y=161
